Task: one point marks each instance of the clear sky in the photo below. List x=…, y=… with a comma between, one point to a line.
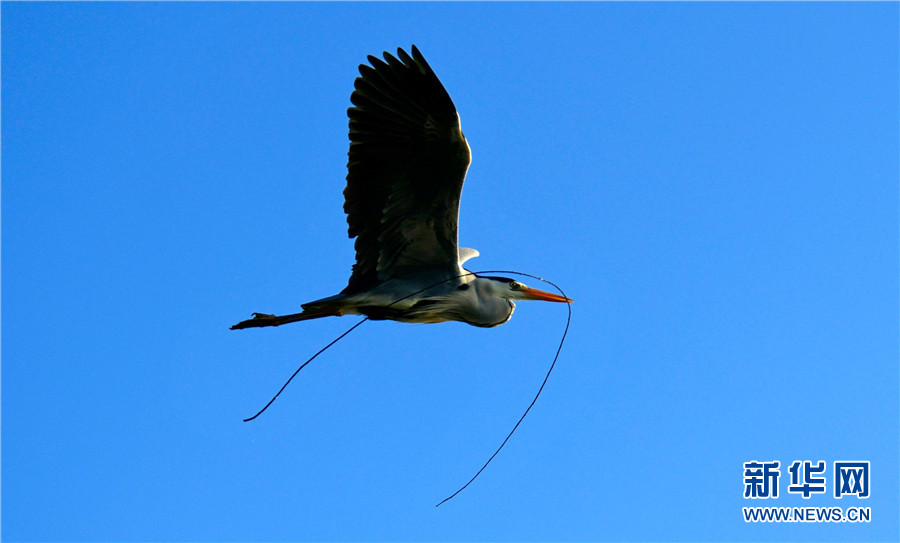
x=715, y=184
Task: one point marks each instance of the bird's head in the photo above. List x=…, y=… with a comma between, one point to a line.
x=514, y=290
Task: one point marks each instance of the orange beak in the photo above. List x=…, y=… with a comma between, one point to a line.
x=529, y=293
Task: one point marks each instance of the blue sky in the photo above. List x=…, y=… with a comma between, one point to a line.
x=716, y=185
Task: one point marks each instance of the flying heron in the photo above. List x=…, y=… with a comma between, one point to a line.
x=407, y=162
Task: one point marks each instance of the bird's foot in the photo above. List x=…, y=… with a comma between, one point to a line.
x=259, y=319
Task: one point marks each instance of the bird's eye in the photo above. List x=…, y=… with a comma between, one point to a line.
x=515, y=285
x=464, y=286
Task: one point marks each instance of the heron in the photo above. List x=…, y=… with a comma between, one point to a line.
x=407, y=163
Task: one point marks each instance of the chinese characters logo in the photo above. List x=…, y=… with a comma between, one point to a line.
x=851, y=478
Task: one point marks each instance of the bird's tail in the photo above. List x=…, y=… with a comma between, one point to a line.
x=313, y=310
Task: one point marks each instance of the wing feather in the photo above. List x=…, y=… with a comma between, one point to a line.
x=407, y=164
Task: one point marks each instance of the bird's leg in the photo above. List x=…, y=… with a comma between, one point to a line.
x=264, y=319
x=259, y=319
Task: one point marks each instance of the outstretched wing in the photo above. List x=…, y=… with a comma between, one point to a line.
x=407, y=163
